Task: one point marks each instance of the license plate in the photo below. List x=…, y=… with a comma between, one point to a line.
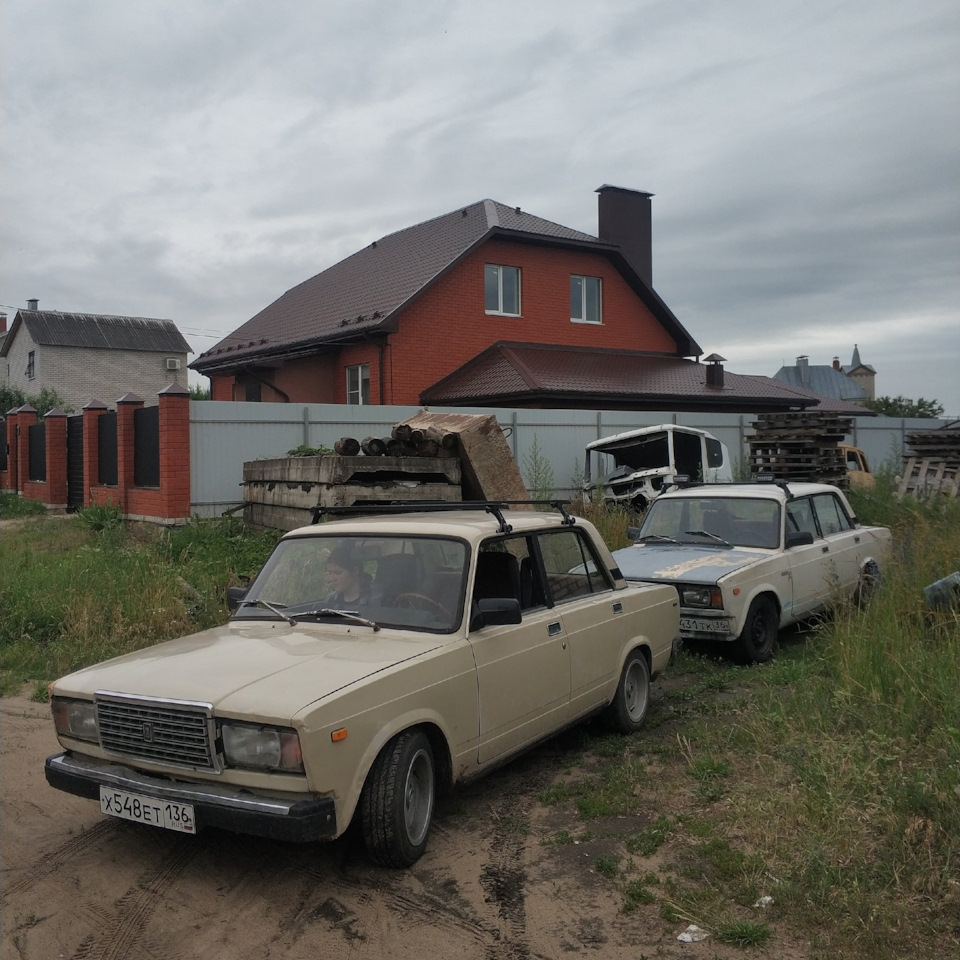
x=140, y=809
x=696, y=625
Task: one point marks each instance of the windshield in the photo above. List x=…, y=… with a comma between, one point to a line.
x=713, y=520
x=397, y=581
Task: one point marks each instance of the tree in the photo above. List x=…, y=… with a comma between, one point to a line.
x=13, y=397
x=900, y=406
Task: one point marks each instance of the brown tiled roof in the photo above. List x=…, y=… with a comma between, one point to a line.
x=365, y=292
x=506, y=374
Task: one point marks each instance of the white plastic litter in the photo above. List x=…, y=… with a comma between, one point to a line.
x=764, y=902
x=693, y=934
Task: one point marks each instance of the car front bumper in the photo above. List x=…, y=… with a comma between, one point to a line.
x=294, y=817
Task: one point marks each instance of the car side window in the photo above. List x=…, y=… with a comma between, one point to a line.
x=800, y=517
x=830, y=514
x=571, y=568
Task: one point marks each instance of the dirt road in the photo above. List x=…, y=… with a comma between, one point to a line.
x=79, y=885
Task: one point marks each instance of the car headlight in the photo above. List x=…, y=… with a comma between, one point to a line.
x=76, y=719
x=707, y=597
x=262, y=748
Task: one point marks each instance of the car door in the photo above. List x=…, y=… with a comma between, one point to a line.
x=809, y=565
x=523, y=670
x=843, y=539
x=594, y=624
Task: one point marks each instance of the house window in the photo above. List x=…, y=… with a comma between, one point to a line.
x=358, y=384
x=501, y=290
x=31, y=365
x=585, y=299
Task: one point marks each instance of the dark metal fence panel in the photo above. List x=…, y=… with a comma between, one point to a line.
x=107, y=448
x=146, y=447
x=38, y=451
x=3, y=444
x=75, y=462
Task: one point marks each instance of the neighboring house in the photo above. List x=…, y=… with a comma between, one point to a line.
x=487, y=305
x=86, y=356
x=852, y=383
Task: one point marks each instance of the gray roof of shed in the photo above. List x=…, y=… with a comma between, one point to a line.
x=98, y=332
x=365, y=292
x=824, y=380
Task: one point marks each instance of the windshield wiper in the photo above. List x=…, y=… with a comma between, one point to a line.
x=272, y=607
x=707, y=533
x=343, y=614
x=657, y=537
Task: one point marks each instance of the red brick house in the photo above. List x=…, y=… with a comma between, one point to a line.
x=487, y=306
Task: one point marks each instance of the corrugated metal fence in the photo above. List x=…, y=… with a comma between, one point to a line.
x=225, y=435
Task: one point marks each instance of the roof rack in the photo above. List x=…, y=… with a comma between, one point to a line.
x=761, y=480
x=495, y=507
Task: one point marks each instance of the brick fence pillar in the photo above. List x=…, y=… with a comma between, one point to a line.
x=26, y=417
x=55, y=423
x=11, y=474
x=91, y=447
x=175, y=451
x=126, y=406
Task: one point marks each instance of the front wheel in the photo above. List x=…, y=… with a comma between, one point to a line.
x=628, y=710
x=397, y=803
x=758, y=639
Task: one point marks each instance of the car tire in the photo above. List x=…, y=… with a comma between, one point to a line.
x=628, y=710
x=757, y=642
x=398, y=800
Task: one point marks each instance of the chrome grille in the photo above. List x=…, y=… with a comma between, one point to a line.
x=163, y=731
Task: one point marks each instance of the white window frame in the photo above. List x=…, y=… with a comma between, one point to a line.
x=358, y=384
x=583, y=318
x=500, y=312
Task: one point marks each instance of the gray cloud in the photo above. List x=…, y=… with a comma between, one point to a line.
x=194, y=161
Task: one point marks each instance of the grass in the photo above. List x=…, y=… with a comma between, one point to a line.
x=88, y=588
x=14, y=507
x=826, y=779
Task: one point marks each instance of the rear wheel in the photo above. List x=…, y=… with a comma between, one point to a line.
x=398, y=798
x=628, y=710
x=757, y=642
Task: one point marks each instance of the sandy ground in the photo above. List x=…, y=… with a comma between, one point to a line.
x=76, y=884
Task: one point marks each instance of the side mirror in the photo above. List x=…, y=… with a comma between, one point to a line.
x=495, y=612
x=799, y=538
x=234, y=596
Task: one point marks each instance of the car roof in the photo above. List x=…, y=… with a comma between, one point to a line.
x=768, y=491
x=471, y=525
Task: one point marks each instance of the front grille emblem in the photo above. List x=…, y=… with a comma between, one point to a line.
x=147, y=732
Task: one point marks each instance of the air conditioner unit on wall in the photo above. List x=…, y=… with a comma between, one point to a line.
x=173, y=363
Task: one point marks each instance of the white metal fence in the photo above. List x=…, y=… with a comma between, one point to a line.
x=223, y=436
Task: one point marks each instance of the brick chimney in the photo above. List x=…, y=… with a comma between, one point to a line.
x=623, y=218
x=3, y=323
x=836, y=363
x=714, y=370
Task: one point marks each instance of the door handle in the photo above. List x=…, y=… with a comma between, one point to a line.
x=554, y=629
x=824, y=549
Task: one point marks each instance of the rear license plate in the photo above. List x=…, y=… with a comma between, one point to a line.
x=696, y=625
x=140, y=809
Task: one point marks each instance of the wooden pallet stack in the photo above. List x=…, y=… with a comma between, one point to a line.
x=800, y=447
x=932, y=463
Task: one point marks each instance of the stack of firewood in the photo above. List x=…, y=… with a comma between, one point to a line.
x=404, y=441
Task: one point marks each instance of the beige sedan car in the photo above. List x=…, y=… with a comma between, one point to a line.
x=372, y=662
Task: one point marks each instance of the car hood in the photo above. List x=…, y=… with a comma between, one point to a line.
x=683, y=562
x=269, y=669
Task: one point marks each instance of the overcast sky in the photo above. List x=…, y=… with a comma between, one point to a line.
x=193, y=161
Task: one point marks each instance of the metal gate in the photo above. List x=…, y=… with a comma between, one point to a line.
x=74, y=463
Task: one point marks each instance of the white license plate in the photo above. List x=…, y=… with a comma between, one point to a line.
x=140, y=809
x=696, y=625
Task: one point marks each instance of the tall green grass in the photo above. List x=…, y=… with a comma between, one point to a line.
x=77, y=592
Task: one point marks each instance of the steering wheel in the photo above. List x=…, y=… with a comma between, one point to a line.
x=420, y=601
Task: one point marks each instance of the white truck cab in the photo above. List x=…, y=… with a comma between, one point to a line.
x=633, y=467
